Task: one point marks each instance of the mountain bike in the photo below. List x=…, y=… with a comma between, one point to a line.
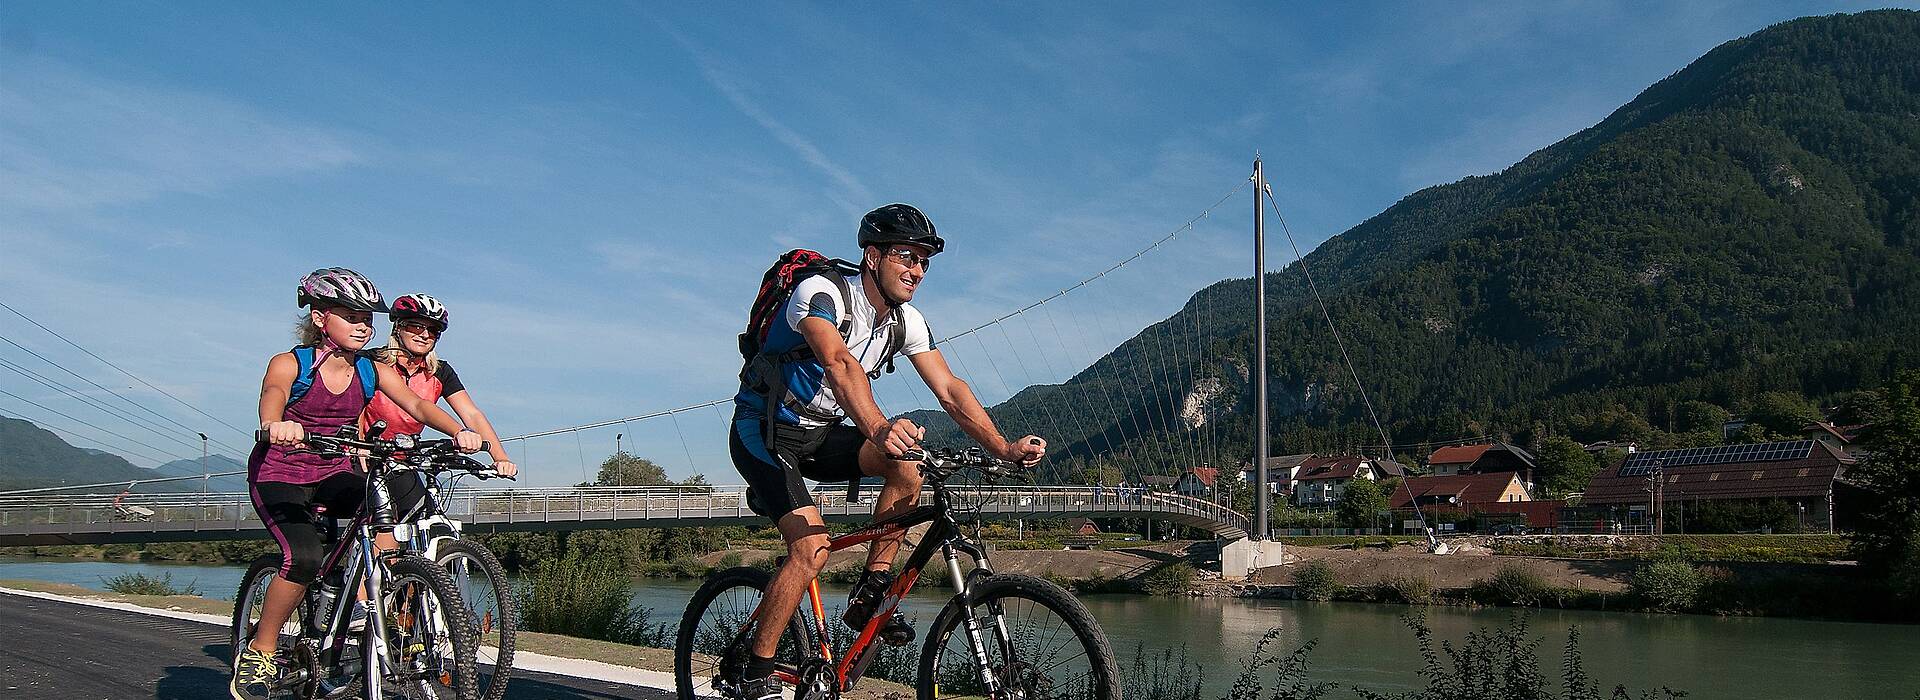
x=1001, y=636
x=414, y=643
x=482, y=583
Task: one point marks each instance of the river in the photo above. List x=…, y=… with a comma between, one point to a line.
x=1368, y=645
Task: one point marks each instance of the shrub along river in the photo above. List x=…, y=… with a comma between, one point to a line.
x=1369, y=645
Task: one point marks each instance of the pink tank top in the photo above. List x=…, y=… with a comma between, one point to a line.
x=320, y=411
x=424, y=384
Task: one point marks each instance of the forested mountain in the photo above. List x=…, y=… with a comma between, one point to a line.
x=31, y=457
x=1749, y=224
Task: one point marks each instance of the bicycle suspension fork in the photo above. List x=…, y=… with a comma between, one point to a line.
x=971, y=621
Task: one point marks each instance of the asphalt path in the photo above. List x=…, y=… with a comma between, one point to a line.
x=52, y=649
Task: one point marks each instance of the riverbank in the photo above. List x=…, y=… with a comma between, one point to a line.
x=1613, y=575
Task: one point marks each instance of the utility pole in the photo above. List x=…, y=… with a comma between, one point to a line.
x=1260, y=497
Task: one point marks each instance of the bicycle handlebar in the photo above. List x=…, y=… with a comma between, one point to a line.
x=426, y=455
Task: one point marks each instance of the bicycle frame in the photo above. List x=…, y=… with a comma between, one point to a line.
x=363, y=561
x=949, y=536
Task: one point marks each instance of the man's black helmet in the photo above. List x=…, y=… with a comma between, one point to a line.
x=898, y=223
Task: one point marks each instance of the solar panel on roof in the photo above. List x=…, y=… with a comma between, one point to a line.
x=1642, y=463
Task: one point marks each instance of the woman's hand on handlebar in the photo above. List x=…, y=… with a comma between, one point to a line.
x=1026, y=451
x=505, y=468
x=468, y=441
x=285, y=433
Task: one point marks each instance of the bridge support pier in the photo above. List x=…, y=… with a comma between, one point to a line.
x=1239, y=558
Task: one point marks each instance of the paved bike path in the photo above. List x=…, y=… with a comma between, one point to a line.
x=57, y=649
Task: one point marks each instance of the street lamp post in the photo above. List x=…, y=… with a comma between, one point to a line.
x=205, y=473
x=616, y=442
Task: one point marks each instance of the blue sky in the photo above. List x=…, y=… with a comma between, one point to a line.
x=594, y=189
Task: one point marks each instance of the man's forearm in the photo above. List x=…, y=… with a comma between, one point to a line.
x=855, y=394
x=960, y=403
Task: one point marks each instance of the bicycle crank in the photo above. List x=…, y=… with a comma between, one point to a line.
x=818, y=681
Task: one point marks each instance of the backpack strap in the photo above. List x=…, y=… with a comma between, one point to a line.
x=369, y=375
x=896, y=339
x=302, y=381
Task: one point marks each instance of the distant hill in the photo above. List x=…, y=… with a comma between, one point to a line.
x=215, y=465
x=1749, y=224
x=32, y=457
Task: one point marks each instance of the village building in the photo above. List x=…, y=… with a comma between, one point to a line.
x=1805, y=474
x=1320, y=481
x=1280, y=473
x=1844, y=439
x=1197, y=482
x=1493, y=496
x=1484, y=458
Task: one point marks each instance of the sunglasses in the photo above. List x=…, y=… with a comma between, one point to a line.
x=417, y=328
x=909, y=258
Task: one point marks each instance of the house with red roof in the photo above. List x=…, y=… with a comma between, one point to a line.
x=1806, y=474
x=1484, y=458
x=1465, y=490
x=1320, y=481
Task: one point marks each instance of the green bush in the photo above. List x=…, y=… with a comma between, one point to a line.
x=142, y=584
x=1513, y=584
x=1667, y=586
x=1315, y=581
x=1412, y=590
x=1175, y=579
x=590, y=598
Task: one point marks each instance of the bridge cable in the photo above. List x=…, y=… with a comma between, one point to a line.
x=1093, y=374
x=56, y=412
x=1150, y=403
x=97, y=385
x=683, y=445
x=1347, y=358
x=91, y=402
x=1015, y=349
x=149, y=385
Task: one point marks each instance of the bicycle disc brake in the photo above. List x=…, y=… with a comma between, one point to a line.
x=818, y=681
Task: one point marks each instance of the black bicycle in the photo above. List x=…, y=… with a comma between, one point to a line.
x=416, y=640
x=1002, y=636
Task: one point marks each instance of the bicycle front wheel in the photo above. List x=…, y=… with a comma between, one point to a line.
x=492, y=610
x=710, y=651
x=1039, y=642
x=429, y=646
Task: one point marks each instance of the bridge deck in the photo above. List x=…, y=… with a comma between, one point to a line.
x=170, y=517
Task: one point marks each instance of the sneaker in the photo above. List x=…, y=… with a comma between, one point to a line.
x=254, y=672
x=768, y=688
x=862, y=601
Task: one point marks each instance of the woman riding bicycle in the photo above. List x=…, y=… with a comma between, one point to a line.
x=318, y=387
x=418, y=322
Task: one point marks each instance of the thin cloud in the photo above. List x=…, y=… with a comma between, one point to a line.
x=852, y=191
x=71, y=140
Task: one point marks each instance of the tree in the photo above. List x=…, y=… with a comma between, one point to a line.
x=624, y=469
x=1781, y=414
x=1565, y=466
x=1887, y=536
x=1360, y=503
x=1700, y=416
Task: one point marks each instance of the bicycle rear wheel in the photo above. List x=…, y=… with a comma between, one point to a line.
x=491, y=610
x=710, y=651
x=1039, y=641
x=428, y=643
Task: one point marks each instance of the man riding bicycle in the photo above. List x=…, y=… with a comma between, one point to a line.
x=832, y=336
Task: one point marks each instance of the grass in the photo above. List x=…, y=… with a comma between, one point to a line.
x=1786, y=549
x=141, y=584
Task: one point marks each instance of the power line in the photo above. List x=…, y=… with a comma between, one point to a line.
x=163, y=392
x=90, y=401
x=34, y=404
x=97, y=385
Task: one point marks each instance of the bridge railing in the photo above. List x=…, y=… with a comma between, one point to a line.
x=562, y=504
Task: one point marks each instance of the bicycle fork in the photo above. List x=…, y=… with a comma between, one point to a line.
x=981, y=664
x=373, y=640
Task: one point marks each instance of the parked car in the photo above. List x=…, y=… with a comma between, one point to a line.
x=1510, y=529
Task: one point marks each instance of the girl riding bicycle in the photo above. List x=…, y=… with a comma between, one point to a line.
x=318, y=387
x=418, y=322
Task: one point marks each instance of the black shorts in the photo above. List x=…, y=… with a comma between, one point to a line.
x=774, y=482
x=287, y=512
x=410, y=498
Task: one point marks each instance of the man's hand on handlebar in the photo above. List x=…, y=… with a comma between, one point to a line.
x=898, y=438
x=1026, y=451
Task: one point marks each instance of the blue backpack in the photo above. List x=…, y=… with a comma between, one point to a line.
x=362, y=365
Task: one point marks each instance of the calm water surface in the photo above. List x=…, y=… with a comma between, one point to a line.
x=1368, y=645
